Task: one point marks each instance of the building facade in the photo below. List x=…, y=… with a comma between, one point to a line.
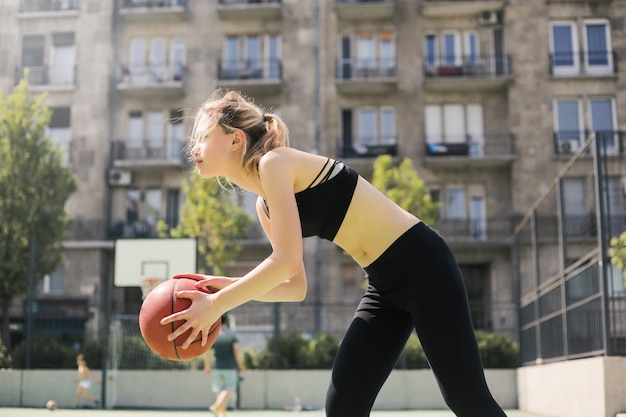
x=489, y=99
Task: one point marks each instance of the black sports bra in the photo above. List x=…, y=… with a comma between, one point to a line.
x=323, y=206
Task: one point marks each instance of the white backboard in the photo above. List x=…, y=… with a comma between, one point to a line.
x=152, y=258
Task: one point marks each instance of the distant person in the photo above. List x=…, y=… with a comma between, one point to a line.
x=84, y=381
x=228, y=364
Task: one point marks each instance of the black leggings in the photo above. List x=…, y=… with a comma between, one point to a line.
x=414, y=284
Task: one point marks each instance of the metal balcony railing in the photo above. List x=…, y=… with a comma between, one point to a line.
x=476, y=230
x=46, y=75
x=469, y=66
x=233, y=2
x=140, y=75
x=579, y=63
x=38, y=6
x=155, y=149
x=160, y=4
x=368, y=149
x=567, y=142
x=366, y=69
x=249, y=69
x=474, y=146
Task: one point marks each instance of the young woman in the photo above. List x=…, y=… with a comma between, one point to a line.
x=414, y=280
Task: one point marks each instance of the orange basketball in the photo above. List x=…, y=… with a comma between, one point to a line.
x=162, y=302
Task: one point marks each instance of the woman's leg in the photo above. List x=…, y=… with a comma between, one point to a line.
x=444, y=326
x=366, y=356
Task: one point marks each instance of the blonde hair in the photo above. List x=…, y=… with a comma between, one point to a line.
x=231, y=110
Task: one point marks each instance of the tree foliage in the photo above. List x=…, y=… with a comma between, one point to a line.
x=211, y=215
x=34, y=187
x=403, y=185
x=617, y=251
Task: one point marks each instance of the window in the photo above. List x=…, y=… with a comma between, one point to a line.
x=55, y=282
x=59, y=130
x=598, y=56
x=178, y=58
x=602, y=112
x=244, y=57
x=134, y=134
x=569, y=126
x=455, y=204
x=455, y=124
x=368, y=126
x=563, y=47
x=615, y=206
x=172, y=208
x=575, y=216
x=470, y=47
x=176, y=135
x=451, y=50
x=152, y=206
x=374, y=55
x=158, y=65
x=137, y=57
x=62, y=59
x=430, y=47
x=478, y=222
x=33, y=58
x=388, y=126
x=156, y=130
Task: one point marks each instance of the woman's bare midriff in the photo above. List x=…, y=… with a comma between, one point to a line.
x=372, y=224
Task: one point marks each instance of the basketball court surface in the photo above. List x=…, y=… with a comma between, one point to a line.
x=42, y=412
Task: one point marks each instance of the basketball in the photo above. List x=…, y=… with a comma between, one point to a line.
x=161, y=302
x=51, y=405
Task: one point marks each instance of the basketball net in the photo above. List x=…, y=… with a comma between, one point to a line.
x=148, y=284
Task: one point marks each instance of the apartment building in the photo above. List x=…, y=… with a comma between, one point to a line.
x=488, y=98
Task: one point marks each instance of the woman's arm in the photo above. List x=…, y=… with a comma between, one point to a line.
x=277, y=173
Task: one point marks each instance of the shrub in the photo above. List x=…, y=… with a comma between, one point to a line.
x=47, y=353
x=497, y=350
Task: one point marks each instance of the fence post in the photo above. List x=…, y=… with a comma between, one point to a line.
x=601, y=193
x=30, y=302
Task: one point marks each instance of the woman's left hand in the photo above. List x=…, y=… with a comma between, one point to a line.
x=199, y=317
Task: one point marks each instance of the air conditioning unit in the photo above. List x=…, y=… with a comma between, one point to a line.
x=119, y=177
x=489, y=18
x=568, y=146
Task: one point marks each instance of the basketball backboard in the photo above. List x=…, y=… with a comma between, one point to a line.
x=137, y=259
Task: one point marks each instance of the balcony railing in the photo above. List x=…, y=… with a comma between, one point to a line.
x=365, y=69
x=151, y=150
x=250, y=9
x=48, y=76
x=567, y=142
x=476, y=230
x=42, y=6
x=250, y=70
x=370, y=150
x=581, y=63
x=151, y=75
x=472, y=66
x=154, y=4
x=473, y=146
x=365, y=9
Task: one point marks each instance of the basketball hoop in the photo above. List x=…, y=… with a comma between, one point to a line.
x=148, y=284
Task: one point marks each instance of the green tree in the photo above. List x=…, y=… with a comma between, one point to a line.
x=210, y=215
x=403, y=185
x=617, y=251
x=34, y=187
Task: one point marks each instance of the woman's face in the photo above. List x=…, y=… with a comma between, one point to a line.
x=213, y=152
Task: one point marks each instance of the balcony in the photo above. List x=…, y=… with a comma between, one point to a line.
x=495, y=231
x=365, y=9
x=567, y=142
x=446, y=8
x=346, y=150
x=250, y=9
x=159, y=153
x=250, y=76
x=471, y=150
x=48, y=8
x=467, y=73
x=156, y=80
x=583, y=64
x=154, y=10
x=359, y=76
x=47, y=78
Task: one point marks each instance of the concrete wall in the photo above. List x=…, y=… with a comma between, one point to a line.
x=259, y=390
x=593, y=387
